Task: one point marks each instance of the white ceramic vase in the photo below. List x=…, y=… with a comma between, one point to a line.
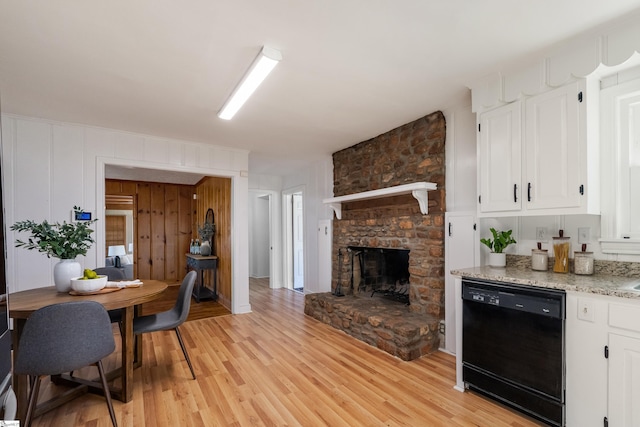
x=63, y=271
x=497, y=260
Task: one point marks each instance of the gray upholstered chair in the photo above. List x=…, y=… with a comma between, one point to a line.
x=170, y=319
x=61, y=338
x=113, y=274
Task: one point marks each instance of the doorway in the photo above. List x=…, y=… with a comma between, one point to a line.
x=120, y=228
x=259, y=235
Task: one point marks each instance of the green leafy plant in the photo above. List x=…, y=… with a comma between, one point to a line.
x=63, y=241
x=206, y=231
x=501, y=239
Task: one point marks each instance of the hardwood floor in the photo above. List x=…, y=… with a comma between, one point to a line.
x=200, y=310
x=278, y=367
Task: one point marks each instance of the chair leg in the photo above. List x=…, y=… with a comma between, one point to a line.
x=184, y=350
x=107, y=393
x=34, y=382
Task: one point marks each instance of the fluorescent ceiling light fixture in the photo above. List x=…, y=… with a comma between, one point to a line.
x=259, y=70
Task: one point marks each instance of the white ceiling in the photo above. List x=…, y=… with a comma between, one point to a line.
x=351, y=69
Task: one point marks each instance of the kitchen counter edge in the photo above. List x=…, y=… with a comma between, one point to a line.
x=596, y=284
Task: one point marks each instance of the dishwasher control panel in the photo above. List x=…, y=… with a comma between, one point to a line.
x=530, y=300
x=483, y=295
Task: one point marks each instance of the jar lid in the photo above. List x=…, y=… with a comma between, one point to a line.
x=539, y=251
x=578, y=253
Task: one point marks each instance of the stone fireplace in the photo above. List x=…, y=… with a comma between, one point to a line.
x=411, y=153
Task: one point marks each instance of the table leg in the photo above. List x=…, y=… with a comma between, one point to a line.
x=197, y=288
x=137, y=339
x=127, y=354
x=20, y=383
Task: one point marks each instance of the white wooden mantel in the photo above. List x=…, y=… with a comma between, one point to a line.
x=419, y=190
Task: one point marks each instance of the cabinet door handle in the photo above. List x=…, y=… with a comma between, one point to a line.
x=515, y=193
x=529, y=192
x=449, y=229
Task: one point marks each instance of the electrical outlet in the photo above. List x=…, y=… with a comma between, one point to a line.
x=441, y=328
x=584, y=234
x=542, y=234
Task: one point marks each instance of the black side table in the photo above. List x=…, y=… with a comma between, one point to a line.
x=200, y=263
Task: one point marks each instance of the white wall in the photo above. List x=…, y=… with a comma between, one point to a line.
x=49, y=167
x=524, y=232
x=606, y=46
x=317, y=182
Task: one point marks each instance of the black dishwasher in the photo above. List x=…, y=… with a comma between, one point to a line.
x=513, y=346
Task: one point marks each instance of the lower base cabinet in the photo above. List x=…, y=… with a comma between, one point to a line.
x=603, y=361
x=624, y=380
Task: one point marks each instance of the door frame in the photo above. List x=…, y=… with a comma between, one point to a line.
x=275, y=235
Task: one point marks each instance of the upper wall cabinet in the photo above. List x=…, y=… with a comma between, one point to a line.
x=499, y=154
x=536, y=156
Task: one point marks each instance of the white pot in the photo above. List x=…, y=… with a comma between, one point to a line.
x=64, y=271
x=497, y=260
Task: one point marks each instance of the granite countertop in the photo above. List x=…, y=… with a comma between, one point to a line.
x=596, y=284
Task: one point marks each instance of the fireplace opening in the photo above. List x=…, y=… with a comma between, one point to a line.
x=380, y=271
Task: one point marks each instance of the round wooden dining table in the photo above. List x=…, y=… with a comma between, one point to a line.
x=128, y=299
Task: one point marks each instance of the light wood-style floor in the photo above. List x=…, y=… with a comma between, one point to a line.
x=277, y=367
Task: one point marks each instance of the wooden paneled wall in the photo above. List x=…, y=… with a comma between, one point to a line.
x=215, y=193
x=164, y=230
x=163, y=218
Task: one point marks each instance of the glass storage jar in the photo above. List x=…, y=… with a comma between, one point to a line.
x=561, y=251
x=539, y=258
x=583, y=262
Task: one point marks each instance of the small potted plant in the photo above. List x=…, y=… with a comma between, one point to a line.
x=206, y=232
x=501, y=239
x=64, y=241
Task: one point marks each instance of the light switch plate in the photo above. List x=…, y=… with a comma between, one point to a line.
x=586, y=310
x=542, y=235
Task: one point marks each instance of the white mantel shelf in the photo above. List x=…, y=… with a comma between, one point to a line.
x=419, y=190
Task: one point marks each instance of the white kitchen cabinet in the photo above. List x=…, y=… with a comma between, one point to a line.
x=624, y=380
x=500, y=156
x=585, y=365
x=460, y=251
x=603, y=360
x=552, y=177
x=539, y=156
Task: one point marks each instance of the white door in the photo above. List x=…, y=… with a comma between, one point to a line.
x=298, y=242
x=624, y=381
x=460, y=247
x=553, y=156
x=499, y=167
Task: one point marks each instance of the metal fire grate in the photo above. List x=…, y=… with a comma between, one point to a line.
x=380, y=271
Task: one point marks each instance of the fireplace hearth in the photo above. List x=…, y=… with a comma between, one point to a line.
x=379, y=322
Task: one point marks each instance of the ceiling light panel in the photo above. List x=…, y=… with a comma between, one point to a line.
x=259, y=70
